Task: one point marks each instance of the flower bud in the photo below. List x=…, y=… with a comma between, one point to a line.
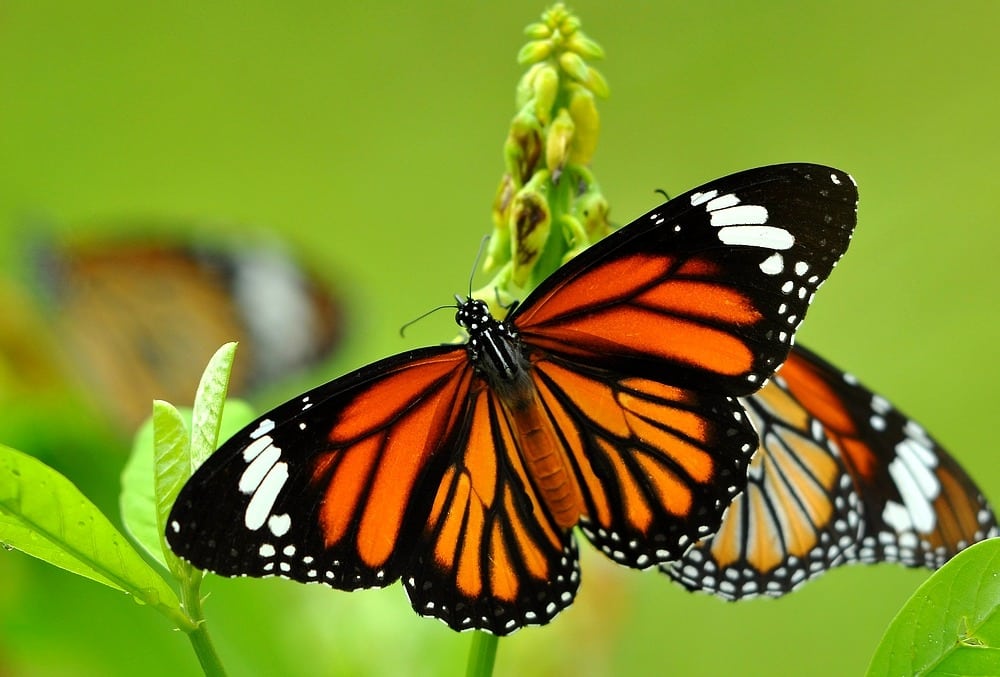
x=530, y=223
x=596, y=83
x=583, y=111
x=523, y=146
x=574, y=66
x=546, y=88
x=584, y=46
x=557, y=143
x=535, y=51
x=538, y=31
x=525, y=91
x=498, y=249
x=592, y=210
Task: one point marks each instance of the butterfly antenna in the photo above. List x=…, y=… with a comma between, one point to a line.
x=666, y=196
x=479, y=256
x=402, y=330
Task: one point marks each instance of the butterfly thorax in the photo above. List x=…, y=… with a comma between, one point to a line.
x=498, y=356
x=494, y=348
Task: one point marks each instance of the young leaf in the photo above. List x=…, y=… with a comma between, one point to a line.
x=951, y=625
x=172, y=463
x=208, y=404
x=44, y=515
x=138, y=504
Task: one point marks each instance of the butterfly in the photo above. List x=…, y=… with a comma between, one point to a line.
x=607, y=400
x=135, y=316
x=841, y=476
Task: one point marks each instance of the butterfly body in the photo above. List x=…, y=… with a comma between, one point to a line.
x=606, y=400
x=498, y=358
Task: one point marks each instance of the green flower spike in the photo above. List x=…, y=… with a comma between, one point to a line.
x=550, y=144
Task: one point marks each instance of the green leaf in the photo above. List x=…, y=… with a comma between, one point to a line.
x=172, y=464
x=44, y=515
x=138, y=503
x=208, y=404
x=951, y=625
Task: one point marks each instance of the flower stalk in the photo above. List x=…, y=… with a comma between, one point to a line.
x=548, y=206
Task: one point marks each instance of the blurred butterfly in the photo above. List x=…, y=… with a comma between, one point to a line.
x=138, y=317
x=841, y=476
x=606, y=399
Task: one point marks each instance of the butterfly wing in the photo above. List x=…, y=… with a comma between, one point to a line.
x=640, y=344
x=331, y=485
x=841, y=476
x=707, y=289
x=656, y=464
x=491, y=556
x=406, y=468
x=138, y=317
x=920, y=507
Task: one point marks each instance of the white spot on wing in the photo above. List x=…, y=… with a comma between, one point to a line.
x=262, y=501
x=255, y=447
x=920, y=462
x=912, y=489
x=265, y=426
x=767, y=237
x=896, y=516
x=701, y=198
x=256, y=471
x=741, y=215
x=279, y=524
x=773, y=264
x=724, y=202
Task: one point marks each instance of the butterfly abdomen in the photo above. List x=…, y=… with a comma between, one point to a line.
x=499, y=358
x=545, y=457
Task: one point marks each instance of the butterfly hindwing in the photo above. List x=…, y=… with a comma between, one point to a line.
x=657, y=464
x=707, y=289
x=491, y=557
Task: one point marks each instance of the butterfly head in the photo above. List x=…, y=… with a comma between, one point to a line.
x=473, y=315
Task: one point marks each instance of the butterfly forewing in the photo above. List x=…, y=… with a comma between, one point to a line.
x=707, y=289
x=334, y=484
x=841, y=476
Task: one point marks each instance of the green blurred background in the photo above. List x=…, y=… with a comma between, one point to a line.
x=369, y=136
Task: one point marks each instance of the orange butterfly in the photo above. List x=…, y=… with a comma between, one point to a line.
x=841, y=477
x=135, y=317
x=607, y=399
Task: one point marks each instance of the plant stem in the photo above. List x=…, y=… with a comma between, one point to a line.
x=482, y=654
x=200, y=640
